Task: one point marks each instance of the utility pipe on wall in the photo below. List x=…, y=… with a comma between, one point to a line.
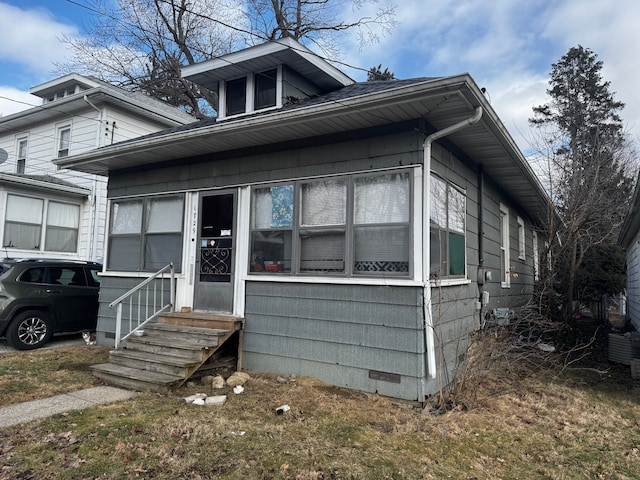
x=426, y=247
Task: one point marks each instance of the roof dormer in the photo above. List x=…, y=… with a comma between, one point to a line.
x=62, y=87
x=265, y=77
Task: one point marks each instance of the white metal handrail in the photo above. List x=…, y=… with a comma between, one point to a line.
x=147, y=300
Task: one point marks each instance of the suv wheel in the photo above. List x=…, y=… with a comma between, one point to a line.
x=30, y=329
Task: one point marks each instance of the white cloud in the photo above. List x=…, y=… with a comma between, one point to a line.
x=509, y=46
x=31, y=38
x=13, y=101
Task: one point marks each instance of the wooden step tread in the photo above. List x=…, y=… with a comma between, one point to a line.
x=169, y=327
x=202, y=316
x=154, y=358
x=156, y=378
x=171, y=343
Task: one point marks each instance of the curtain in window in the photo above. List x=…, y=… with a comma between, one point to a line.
x=125, y=242
x=272, y=207
x=62, y=227
x=447, y=230
x=324, y=203
x=163, y=235
x=126, y=217
x=164, y=215
x=382, y=199
x=23, y=222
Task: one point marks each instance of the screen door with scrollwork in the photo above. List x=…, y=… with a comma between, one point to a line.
x=215, y=258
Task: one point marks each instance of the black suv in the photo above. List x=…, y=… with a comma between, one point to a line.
x=42, y=297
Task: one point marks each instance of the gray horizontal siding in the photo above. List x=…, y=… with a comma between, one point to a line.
x=110, y=289
x=356, y=154
x=337, y=333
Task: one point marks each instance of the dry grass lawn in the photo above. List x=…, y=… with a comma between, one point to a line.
x=581, y=425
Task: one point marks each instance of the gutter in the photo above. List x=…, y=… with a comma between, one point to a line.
x=429, y=335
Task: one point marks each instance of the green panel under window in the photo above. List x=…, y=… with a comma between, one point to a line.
x=456, y=254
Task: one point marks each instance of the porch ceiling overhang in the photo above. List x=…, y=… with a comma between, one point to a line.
x=441, y=102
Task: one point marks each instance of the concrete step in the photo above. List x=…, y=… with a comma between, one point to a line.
x=154, y=362
x=135, y=379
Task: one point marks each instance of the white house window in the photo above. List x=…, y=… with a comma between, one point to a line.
x=24, y=226
x=64, y=139
x=351, y=225
x=62, y=227
x=447, y=230
x=23, y=222
x=536, y=257
x=522, y=245
x=505, y=277
x=265, y=89
x=22, y=155
x=146, y=234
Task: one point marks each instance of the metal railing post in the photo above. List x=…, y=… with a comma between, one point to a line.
x=118, y=324
x=128, y=297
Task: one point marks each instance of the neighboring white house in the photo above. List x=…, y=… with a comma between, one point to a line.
x=50, y=211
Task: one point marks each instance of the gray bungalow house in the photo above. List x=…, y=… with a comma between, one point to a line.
x=360, y=231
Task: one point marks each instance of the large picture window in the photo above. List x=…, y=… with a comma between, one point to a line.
x=145, y=234
x=447, y=230
x=31, y=223
x=347, y=226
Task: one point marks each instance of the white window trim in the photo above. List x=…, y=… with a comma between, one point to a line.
x=44, y=225
x=249, y=94
x=522, y=240
x=19, y=140
x=56, y=146
x=505, y=275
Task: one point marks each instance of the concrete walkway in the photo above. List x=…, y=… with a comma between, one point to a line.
x=65, y=402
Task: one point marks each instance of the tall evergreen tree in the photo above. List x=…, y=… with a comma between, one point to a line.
x=592, y=186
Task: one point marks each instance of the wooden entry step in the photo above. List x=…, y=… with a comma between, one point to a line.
x=202, y=320
x=170, y=351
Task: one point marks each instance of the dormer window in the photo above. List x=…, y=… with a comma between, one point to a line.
x=265, y=91
x=251, y=93
x=236, y=96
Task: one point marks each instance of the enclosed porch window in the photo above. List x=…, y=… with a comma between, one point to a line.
x=145, y=234
x=347, y=226
x=447, y=230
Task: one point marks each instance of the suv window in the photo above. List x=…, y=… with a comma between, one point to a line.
x=94, y=278
x=32, y=275
x=73, y=276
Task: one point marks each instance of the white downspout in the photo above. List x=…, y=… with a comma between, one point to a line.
x=93, y=220
x=426, y=247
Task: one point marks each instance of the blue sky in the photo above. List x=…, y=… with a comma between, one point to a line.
x=507, y=46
